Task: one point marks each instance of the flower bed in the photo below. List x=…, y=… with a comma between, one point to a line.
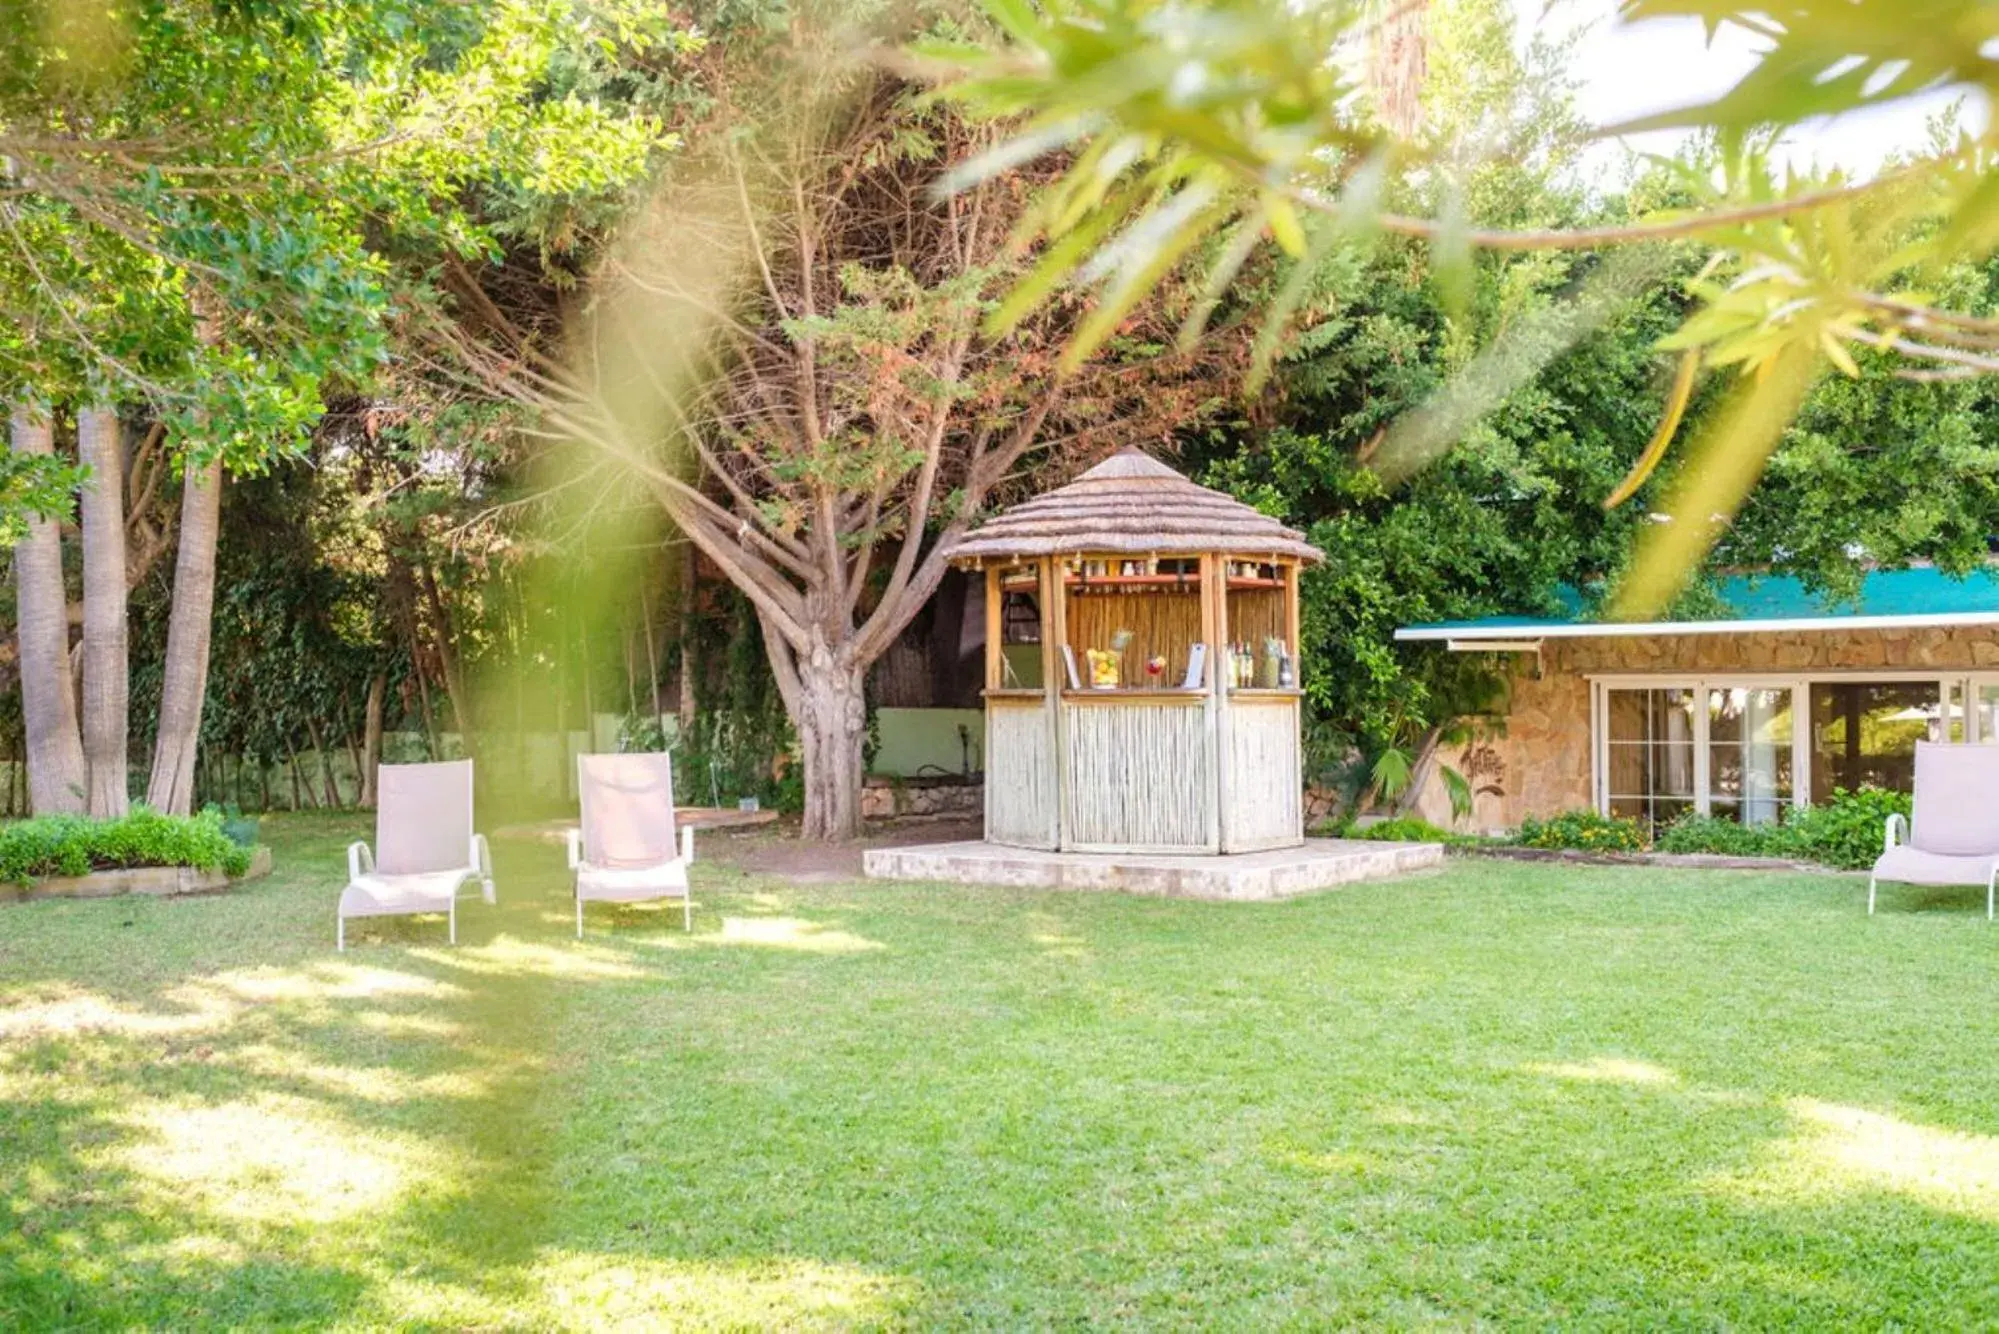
x=1843, y=833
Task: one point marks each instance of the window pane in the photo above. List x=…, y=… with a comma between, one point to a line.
x=1630, y=808
x=1749, y=753
x=1864, y=733
x=1665, y=812
x=1650, y=752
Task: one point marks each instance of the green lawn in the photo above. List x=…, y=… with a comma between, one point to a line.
x=1502, y=1093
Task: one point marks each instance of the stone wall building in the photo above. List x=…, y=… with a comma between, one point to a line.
x=1741, y=718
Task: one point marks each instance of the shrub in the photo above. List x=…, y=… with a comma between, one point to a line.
x=1846, y=831
x=1585, y=831
x=76, y=845
x=1708, y=833
x=1402, y=829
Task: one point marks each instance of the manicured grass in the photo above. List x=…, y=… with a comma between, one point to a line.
x=1503, y=1093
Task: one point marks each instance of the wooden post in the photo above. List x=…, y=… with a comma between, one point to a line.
x=1210, y=629
x=993, y=648
x=1055, y=627
x=1215, y=611
x=1292, y=569
x=1051, y=650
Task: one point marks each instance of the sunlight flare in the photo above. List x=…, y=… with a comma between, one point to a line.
x=793, y=933
x=272, y=1160
x=1839, y=1150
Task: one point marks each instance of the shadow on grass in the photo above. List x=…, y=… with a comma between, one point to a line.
x=317, y=1137
x=958, y=1107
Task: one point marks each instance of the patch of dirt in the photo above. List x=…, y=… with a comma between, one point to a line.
x=780, y=852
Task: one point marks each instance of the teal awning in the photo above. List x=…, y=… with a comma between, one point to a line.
x=1888, y=599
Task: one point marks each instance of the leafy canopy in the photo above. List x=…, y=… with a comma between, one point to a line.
x=1214, y=127
x=229, y=210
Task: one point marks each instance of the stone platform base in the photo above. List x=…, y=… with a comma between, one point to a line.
x=1321, y=863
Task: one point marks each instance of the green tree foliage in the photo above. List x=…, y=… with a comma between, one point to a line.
x=1506, y=504
x=1216, y=125
x=201, y=204
x=1877, y=470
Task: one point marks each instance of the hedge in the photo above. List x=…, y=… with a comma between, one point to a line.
x=51, y=845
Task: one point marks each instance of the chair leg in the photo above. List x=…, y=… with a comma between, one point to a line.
x=454, y=919
x=1991, y=887
x=339, y=933
x=579, y=917
x=1870, y=896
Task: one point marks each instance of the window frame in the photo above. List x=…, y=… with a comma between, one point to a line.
x=1801, y=703
x=1971, y=683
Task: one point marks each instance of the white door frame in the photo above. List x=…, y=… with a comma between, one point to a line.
x=1973, y=728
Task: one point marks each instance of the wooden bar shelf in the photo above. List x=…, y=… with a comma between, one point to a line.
x=1136, y=695
x=1191, y=582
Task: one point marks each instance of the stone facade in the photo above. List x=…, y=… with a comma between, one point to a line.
x=900, y=799
x=1541, y=764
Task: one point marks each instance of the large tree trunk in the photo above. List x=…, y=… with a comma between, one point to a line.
x=832, y=724
x=185, y=680
x=824, y=694
x=56, y=772
x=106, y=684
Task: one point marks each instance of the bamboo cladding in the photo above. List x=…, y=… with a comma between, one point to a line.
x=1020, y=775
x=1255, y=615
x=1139, y=779
x=1266, y=800
x=1161, y=621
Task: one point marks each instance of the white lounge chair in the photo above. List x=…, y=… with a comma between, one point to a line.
x=624, y=852
x=1955, y=834
x=425, y=847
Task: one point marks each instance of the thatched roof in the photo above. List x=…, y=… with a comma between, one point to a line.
x=1132, y=503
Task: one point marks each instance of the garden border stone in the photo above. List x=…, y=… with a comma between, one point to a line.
x=157, y=881
x=1694, y=861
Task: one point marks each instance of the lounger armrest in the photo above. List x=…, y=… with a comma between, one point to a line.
x=687, y=844
x=482, y=858
x=1896, y=833
x=575, y=849
x=360, y=861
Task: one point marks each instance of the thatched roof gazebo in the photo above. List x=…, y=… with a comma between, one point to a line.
x=1131, y=503
x=1141, y=667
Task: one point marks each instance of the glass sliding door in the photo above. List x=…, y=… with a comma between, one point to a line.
x=1750, y=769
x=1864, y=733
x=1649, y=753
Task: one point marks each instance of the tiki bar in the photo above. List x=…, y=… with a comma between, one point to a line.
x=1141, y=667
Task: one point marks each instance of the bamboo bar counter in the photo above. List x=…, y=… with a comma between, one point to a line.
x=1141, y=668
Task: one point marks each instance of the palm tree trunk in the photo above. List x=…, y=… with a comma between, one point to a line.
x=689, y=660
x=106, y=684
x=185, y=680
x=371, y=738
x=56, y=772
x=447, y=657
